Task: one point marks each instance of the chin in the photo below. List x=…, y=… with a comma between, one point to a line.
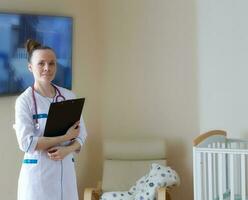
x=47, y=80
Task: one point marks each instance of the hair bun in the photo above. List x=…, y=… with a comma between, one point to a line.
x=31, y=45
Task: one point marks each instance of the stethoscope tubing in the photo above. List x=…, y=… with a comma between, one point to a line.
x=35, y=102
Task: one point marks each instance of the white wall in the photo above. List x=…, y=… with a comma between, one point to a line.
x=149, y=86
x=86, y=79
x=223, y=50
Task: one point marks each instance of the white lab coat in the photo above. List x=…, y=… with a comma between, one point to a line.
x=40, y=177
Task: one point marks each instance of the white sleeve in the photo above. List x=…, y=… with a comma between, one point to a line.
x=83, y=134
x=24, y=126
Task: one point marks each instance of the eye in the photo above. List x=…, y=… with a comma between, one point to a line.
x=41, y=64
x=52, y=63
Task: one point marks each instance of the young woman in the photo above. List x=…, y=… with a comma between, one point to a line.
x=47, y=171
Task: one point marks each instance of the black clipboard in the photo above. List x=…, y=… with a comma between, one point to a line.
x=62, y=115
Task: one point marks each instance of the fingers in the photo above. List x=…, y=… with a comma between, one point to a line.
x=73, y=131
x=76, y=124
x=54, y=156
x=56, y=153
x=52, y=150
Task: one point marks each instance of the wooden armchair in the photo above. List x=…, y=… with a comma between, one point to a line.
x=125, y=161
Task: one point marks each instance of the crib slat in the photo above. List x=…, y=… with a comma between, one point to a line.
x=220, y=176
x=210, y=176
x=215, y=172
x=232, y=176
x=205, y=176
x=224, y=177
x=243, y=177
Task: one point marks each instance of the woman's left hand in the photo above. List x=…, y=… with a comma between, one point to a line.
x=58, y=152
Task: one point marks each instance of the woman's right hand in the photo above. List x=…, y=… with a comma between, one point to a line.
x=73, y=131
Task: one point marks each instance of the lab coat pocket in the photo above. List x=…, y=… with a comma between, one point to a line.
x=31, y=167
x=31, y=160
x=29, y=177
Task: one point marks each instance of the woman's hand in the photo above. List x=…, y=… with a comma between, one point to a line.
x=58, y=153
x=73, y=131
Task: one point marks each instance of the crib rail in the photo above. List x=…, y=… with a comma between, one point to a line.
x=220, y=167
x=210, y=137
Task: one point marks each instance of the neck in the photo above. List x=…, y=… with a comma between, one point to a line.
x=44, y=89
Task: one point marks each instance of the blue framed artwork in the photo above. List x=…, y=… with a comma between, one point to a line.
x=52, y=31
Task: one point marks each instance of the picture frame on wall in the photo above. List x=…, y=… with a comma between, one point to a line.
x=53, y=31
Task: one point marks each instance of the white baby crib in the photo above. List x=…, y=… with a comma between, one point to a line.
x=220, y=167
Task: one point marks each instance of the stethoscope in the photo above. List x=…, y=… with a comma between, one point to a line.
x=58, y=98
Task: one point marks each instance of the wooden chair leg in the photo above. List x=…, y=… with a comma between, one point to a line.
x=162, y=194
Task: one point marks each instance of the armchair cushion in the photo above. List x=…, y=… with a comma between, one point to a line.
x=126, y=160
x=120, y=175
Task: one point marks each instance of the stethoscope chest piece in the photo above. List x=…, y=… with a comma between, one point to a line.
x=60, y=98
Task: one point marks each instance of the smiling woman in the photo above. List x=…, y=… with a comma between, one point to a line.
x=42, y=63
x=48, y=169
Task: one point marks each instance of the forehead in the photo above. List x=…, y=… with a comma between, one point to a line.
x=43, y=54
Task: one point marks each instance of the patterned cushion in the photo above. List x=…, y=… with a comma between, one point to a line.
x=139, y=185
x=118, y=195
x=159, y=176
x=165, y=175
x=145, y=188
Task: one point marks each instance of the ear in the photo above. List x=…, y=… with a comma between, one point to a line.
x=30, y=67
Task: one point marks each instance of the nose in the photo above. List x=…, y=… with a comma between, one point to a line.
x=46, y=67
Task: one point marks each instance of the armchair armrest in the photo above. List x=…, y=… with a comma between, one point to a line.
x=163, y=194
x=93, y=193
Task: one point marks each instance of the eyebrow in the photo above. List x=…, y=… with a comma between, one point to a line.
x=42, y=60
